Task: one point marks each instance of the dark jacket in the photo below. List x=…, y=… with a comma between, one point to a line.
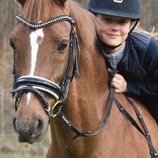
x=139, y=65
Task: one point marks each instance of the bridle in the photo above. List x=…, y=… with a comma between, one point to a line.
x=39, y=85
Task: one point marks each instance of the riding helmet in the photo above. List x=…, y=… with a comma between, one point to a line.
x=120, y=8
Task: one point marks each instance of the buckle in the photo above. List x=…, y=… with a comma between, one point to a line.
x=55, y=108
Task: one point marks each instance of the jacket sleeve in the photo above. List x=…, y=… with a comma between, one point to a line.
x=149, y=85
x=143, y=88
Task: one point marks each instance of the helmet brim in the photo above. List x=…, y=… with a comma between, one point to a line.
x=115, y=14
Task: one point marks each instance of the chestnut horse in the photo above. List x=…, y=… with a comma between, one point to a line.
x=47, y=40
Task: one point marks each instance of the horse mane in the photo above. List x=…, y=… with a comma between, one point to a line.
x=85, y=23
x=41, y=10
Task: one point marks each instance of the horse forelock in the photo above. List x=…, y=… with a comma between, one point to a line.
x=85, y=23
x=41, y=10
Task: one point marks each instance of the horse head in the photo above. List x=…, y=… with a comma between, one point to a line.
x=42, y=54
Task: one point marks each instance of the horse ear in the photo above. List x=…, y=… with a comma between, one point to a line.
x=22, y=2
x=61, y=2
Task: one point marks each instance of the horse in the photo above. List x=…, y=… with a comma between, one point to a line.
x=61, y=81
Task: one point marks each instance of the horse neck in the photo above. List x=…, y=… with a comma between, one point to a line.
x=86, y=103
x=88, y=94
x=87, y=99
x=94, y=76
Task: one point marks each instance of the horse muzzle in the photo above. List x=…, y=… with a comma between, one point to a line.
x=30, y=132
x=31, y=121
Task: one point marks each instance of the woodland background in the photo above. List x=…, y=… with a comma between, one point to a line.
x=8, y=140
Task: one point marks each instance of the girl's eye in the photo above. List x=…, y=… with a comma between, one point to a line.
x=118, y=21
x=123, y=21
x=62, y=46
x=108, y=20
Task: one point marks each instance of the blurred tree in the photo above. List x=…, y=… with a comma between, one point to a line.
x=149, y=18
x=7, y=12
x=84, y=2
x=7, y=21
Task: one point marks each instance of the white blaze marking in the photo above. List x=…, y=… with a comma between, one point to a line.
x=36, y=38
x=28, y=98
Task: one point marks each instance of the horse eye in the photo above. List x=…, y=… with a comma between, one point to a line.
x=62, y=46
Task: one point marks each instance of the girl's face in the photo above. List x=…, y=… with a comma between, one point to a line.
x=113, y=31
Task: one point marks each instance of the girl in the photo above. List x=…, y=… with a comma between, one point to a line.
x=133, y=54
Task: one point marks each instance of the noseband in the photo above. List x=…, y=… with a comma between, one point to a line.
x=39, y=85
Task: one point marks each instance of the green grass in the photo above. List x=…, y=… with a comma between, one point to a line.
x=18, y=156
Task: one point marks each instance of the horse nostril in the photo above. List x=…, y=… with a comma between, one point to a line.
x=14, y=124
x=39, y=125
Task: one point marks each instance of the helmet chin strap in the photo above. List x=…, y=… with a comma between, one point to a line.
x=136, y=22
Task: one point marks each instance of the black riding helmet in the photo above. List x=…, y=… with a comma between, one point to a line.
x=120, y=8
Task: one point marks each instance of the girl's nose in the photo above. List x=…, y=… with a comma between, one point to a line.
x=115, y=26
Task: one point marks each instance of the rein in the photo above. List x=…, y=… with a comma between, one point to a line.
x=112, y=99
x=39, y=85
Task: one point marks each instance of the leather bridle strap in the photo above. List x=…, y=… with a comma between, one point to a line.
x=144, y=131
x=125, y=113
x=36, y=26
x=78, y=133
x=68, y=75
x=37, y=93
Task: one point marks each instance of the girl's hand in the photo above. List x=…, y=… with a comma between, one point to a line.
x=119, y=83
